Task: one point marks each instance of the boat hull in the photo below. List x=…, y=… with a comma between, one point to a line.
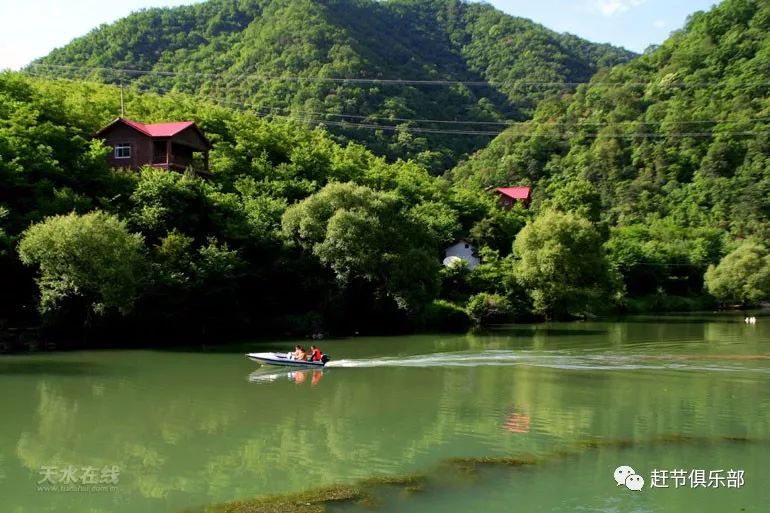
x=282, y=360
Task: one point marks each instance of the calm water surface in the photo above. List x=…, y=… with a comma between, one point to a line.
x=186, y=430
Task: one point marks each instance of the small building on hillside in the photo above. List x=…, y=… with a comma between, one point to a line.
x=462, y=250
x=510, y=195
x=164, y=145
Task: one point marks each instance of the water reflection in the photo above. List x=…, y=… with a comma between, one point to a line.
x=298, y=377
x=518, y=420
x=188, y=429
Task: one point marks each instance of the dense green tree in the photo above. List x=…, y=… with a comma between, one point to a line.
x=214, y=246
x=362, y=234
x=485, y=309
x=562, y=265
x=91, y=257
x=661, y=256
x=4, y=239
x=499, y=227
x=668, y=153
x=742, y=277
x=657, y=163
x=249, y=54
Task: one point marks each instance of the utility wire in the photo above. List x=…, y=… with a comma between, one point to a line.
x=563, y=135
x=566, y=135
x=529, y=124
x=285, y=78
x=290, y=111
x=393, y=81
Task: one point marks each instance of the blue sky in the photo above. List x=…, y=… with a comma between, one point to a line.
x=31, y=28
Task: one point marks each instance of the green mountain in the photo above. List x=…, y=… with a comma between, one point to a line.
x=651, y=192
x=671, y=151
x=277, y=57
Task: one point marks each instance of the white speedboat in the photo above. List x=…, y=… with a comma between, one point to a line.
x=284, y=359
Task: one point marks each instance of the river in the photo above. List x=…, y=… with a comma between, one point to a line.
x=524, y=418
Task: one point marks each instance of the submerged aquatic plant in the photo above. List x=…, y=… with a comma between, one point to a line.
x=312, y=501
x=449, y=473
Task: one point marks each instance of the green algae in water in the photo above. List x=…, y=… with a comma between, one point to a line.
x=365, y=494
x=469, y=472
x=312, y=501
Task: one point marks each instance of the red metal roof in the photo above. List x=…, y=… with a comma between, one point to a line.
x=159, y=129
x=517, y=193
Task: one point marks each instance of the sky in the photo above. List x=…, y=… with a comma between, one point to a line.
x=32, y=28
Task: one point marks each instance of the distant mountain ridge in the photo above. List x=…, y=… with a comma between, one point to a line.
x=218, y=46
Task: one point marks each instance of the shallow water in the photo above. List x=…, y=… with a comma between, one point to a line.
x=184, y=430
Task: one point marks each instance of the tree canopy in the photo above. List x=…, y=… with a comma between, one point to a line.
x=362, y=234
x=292, y=233
x=561, y=263
x=668, y=154
x=267, y=55
x=642, y=179
x=92, y=257
x=742, y=276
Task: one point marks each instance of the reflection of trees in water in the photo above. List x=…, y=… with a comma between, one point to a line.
x=737, y=331
x=57, y=427
x=221, y=438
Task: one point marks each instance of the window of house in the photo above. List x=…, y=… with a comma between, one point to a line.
x=466, y=246
x=123, y=151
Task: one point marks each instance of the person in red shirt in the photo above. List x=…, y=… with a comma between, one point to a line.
x=315, y=354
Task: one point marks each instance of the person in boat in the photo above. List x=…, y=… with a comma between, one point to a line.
x=299, y=353
x=317, y=356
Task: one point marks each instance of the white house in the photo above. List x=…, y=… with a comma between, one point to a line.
x=461, y=250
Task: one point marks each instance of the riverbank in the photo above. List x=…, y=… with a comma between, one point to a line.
x=37, y=339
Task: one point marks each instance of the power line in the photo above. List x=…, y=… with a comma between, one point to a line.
x=459, y=122
x=530, y=123
x=388, y=81
x=563, y=135
x=566, y=135
x=287, y=78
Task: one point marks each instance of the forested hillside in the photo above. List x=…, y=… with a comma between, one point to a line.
x=651, y=192
x=282, y=57
x=293, y=233
x=670, y=153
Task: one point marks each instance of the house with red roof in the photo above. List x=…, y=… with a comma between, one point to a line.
x=510, y=195
x=169, y=146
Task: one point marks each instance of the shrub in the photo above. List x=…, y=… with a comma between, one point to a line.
x=443, y=315
x=485, y=308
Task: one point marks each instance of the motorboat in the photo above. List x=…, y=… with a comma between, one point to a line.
x=285, y=360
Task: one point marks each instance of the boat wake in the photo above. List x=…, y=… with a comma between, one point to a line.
x=558, y=360
x=433, y=360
